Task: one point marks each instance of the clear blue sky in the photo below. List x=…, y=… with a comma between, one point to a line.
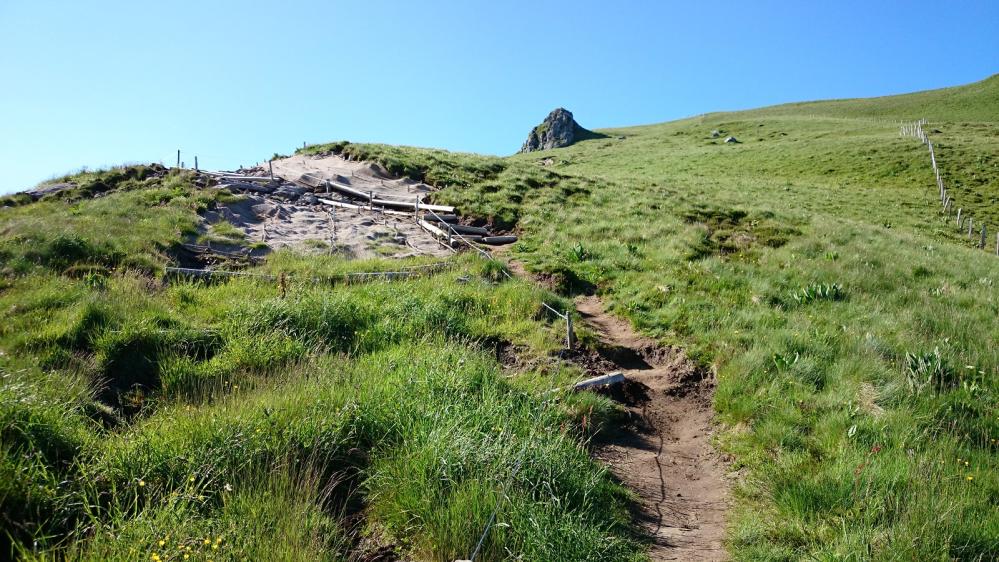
x=94, y=83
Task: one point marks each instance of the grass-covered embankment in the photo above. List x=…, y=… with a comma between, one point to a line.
x=297, y=420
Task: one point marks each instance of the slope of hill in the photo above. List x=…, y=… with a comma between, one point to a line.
x=851, y=326
x=972, y=102
x=852, y=331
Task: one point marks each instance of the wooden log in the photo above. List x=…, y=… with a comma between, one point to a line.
x=249, y=187
x=442, y=218
x=237, y=177
x=369, y=196
x=603, y=380
x=342, y=205
x=498, y=240
x=463, y=229
x=349, y=191
x=438, y=233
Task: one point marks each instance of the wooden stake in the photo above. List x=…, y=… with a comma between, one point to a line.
x=969, y=227
x=270, y=168
x=959, y=218
x=570, y=336
x=981, y=243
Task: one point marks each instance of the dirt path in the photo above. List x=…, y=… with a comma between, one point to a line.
x=665, y=454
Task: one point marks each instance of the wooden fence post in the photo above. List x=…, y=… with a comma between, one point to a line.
x=959, y=218
x=270, y=168
x=570, y=336
x=981, y=243
x=969, y=227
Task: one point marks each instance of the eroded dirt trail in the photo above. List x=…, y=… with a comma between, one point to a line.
x=664, y=454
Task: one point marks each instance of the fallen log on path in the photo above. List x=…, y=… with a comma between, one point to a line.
x=237, y=177
x=432, y=229
x=603, y=380
x=265, y=189
x=342, y=205
x=498, y=240
x=407, y=205
x=442, y=218
x=462, y=229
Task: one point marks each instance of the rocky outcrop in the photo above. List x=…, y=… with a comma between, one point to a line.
x=559, y=129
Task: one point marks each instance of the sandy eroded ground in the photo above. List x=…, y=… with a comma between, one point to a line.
x=324, y=230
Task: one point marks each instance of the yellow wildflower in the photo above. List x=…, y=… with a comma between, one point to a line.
x=142, y=482
x=970, y=477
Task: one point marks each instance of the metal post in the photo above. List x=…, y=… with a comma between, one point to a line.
x=178, y=157
x=195, y=163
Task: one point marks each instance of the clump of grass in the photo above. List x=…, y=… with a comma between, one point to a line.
x=928, y=371
x=818, y=291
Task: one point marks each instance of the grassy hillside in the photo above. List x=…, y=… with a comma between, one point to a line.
x=853, y=330
x=145, y=419
x=973, y=102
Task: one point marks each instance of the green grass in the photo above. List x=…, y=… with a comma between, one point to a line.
x=143, y=418
x=852, y=328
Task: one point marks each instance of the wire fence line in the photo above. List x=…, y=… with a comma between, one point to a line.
x=401, y=273
x=964, y=220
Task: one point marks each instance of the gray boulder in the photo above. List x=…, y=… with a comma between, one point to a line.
x=558, y=130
